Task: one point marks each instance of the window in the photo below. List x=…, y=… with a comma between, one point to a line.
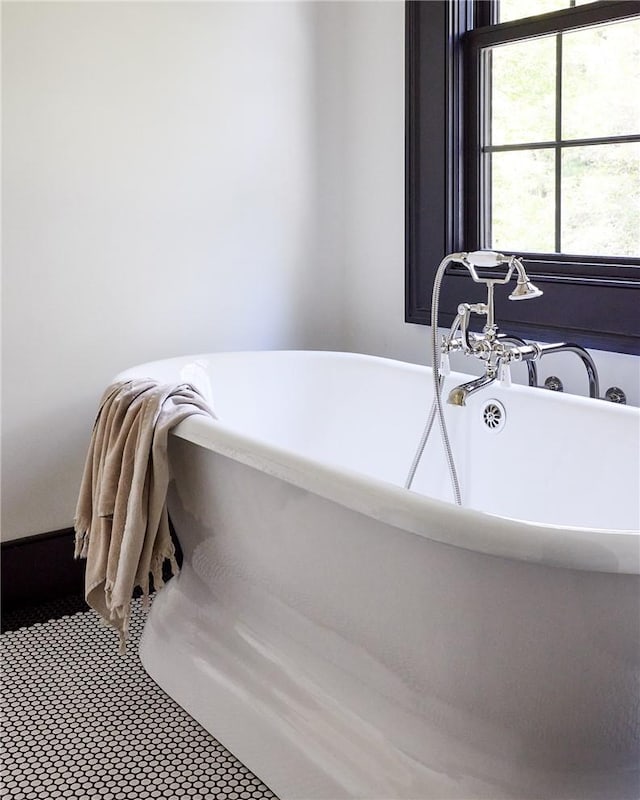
x=523, y=135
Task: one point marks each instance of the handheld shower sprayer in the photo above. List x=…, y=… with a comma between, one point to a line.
x=484, y=258
x=524, y=290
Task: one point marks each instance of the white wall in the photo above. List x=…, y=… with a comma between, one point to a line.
x=184, y=177
x=164, y=188
x=374, y=178
x=374, y=210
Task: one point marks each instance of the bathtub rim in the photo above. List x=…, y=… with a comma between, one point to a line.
x=562, y=546
x=431, y=518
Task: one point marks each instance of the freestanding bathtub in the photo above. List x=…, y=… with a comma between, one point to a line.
x=348, y=638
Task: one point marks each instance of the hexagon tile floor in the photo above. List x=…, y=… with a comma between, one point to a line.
x=80, y=721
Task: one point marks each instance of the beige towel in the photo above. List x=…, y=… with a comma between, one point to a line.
x=122, y=525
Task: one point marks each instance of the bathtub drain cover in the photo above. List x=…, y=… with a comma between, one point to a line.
x=494, y=415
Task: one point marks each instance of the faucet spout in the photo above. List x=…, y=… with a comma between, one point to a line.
x=458, y=396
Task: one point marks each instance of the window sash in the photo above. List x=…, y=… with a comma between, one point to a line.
x=598, y=270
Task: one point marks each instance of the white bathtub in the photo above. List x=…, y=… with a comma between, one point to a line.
x=347, y=638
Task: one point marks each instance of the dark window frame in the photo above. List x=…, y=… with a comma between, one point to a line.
x=591, y=301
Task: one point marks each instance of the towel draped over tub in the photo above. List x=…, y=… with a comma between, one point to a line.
x=121, y=522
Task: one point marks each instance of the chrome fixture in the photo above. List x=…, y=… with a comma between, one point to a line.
x=615, y=395
x=589, y=365
x=532, y=370
x=495, y=350
x=494, y=415
x=496, y=354
x=458, y=395
x=554, y=384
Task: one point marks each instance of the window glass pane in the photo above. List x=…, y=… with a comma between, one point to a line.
x=601, y=81
x=523, y=85
x=522, y=201
x=601, y=200
x=517, y=9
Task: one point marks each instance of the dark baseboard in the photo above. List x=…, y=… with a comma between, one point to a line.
x=41, y=568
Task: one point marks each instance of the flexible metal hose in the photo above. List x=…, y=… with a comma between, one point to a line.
x=423, y=441
x=436, y=407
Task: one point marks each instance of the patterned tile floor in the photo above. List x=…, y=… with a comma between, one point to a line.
x=20, y=617
x=80, y=721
